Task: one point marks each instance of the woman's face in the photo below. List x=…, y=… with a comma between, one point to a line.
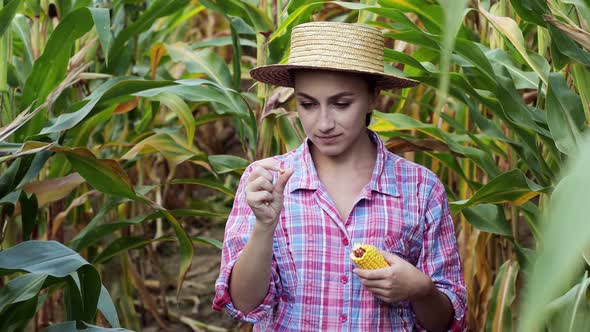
x=332, y=107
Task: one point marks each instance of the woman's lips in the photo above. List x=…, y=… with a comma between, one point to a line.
x=328, y=139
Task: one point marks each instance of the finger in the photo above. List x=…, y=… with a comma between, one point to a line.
x=390, y=258
x=381, y=283
x=261, y=184
x=260, y=172
x=375, y=274
x=258, y=198
x=284, y=177
x=380, y=292
x=268, y=164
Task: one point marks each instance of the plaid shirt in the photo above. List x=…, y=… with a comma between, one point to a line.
x=403, y=209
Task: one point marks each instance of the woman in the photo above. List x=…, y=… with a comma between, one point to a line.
x=285, y=260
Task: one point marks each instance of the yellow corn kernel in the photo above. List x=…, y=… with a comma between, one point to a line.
x=367, y=257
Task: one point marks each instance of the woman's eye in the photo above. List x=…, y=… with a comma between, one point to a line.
x=306, y=105
x=342, y=105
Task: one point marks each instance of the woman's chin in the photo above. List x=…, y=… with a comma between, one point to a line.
x=331, y=150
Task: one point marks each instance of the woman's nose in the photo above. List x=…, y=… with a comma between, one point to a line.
x=326, y=120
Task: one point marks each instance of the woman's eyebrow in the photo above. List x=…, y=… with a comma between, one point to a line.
x=336, y=96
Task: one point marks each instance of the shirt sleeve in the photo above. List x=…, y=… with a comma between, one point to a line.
x=439, y=258
x=237, y=231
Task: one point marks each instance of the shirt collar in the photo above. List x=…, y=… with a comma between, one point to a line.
x=305, y=174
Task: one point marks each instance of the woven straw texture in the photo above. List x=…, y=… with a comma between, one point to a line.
x=348, y=47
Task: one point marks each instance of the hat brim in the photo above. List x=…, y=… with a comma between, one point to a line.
x=279, y=75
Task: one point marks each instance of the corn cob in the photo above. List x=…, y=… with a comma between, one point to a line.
x=367, y=256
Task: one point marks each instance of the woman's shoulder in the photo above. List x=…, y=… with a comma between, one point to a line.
x=409, y=173
x=397, y=162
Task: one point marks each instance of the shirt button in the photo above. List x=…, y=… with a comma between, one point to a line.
x=342, y=318
x=345, y=241
x=285, y=298
x=343, y=279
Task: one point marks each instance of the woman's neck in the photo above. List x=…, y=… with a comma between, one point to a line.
x=360, y=157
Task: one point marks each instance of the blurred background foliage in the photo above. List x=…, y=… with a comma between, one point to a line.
x=125, y=126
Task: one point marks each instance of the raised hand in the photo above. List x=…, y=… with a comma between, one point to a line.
x=264, y=197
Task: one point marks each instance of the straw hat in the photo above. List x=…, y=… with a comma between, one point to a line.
x=348, y=47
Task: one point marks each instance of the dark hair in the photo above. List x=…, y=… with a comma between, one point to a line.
x=371, y=87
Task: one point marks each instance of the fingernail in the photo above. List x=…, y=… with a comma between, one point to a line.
x=281, y=171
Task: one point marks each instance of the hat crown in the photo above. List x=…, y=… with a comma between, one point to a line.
x=347, y=46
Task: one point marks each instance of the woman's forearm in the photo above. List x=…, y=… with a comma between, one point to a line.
x=433, y=310
x=250, y=276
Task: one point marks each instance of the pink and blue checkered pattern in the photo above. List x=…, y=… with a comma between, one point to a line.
x=403, y=210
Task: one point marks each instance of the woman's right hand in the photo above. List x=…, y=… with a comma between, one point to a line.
x=265, y=198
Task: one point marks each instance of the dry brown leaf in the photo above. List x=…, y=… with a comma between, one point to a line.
x=52, y=190
x=580, y=36
x=59, y=219
x=126, y=106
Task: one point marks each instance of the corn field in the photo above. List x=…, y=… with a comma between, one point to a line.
x=125, y=126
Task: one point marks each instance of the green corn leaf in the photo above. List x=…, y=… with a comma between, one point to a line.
x=171, y=146
x=21, y=288
x=187, y=250
x=45, y=257
x=207, y=183
x=102, y=22
x=512, y=186
x=97, y=233
x=89, y=284
x=29, y=214
x=503, y=295
x=396, y=122
x=106, y=175
x=508, y=28
x=557, y=263
x=107, y=307
x=565, y=115
x=51, y=258
x=18, y=315
x=108, y=92
x=430, y=14
x=70, y=326
x=206, y=240
x=201, y=61
x=184, y=114
x=254, y=16
x=566, y=46
x=581, y=76
x=120, y=245
x=570, y=312
x=157, y=9
x=226, y=163
x=51, y=67
x=488, y=218
x=531, y=10
x=7, y=13
x=110, y=204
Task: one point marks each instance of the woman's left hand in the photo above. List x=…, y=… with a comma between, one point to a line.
x=399, y=282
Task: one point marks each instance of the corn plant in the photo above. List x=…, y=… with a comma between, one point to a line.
x=98, y=100
x=114, y=114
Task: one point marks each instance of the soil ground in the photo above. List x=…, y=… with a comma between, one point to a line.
x=193, y=311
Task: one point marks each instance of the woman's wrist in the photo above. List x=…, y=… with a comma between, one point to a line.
x=425, y=289
x=264, y=229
